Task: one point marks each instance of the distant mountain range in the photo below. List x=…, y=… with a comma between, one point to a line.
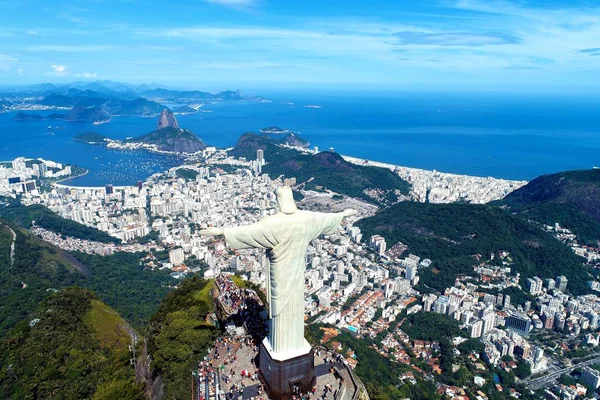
x=111, y=99
x=126, y=91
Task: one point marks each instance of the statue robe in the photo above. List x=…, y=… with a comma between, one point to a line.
x=286, y=238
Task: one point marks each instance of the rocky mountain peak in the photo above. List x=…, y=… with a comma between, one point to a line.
x=167, y=119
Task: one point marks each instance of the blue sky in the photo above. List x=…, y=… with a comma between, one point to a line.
x=219, y=44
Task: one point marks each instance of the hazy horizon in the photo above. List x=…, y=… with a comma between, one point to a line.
x=445, y=45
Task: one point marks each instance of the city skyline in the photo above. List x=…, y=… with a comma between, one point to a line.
x=218, y=44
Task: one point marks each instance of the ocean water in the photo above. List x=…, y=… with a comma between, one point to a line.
x=504, y=136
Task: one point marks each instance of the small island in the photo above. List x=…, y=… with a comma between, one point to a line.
x=184, y=110
x=274, y=130
x=92, y=138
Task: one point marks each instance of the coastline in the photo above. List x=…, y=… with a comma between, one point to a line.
x=371, y=163
x=403, y=171
x=57, y=182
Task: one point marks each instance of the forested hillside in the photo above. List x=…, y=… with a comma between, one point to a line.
x=180, y=335
x=570, y=198
x=75, y=348
x=39, y=268
x=323, y=171
x=23, y=216
x=452, y=234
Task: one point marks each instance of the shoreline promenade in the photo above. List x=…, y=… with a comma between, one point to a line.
x=403, y=171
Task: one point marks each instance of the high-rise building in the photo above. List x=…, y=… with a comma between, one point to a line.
x=428, y=301
x=289, y=182
x=475, y=329
x=561, y=283
x=548, y=320
x=489, y=299
x=590, y=376
x=176, y=256
x=534, y=285
x=550, y=283
x=499, y=300
x=519, y=323
x=466, y=317
x=538, y=354
x=260, y=156
x=506, y=301
x=559, y=322
x=109, y=189
x=43, y=168
x=362, y=279
x=489, y=319
x=440, y=306
x=378, y=244
x=411, y=272
x=523, y=349
x=593, y=317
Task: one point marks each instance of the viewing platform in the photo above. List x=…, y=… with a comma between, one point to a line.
x=235, y=362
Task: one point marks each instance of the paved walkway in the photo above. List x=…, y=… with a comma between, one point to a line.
x=239, y=374
x=12, y=245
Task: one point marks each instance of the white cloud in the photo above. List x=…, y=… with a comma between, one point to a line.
x=454, y=38
x=59, y=70
x=89, y=75
x=4, y=57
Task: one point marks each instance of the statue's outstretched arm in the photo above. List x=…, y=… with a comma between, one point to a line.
x=327, y=223
x=348, y=212
x=211, y=232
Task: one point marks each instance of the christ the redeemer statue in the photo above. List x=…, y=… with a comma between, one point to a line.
x=285, y=236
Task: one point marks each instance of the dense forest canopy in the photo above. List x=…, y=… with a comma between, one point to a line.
x=62, y=356
x=180, y=335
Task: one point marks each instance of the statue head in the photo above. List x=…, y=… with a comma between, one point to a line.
x=285, y=200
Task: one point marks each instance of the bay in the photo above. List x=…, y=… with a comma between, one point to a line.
x=499, y=135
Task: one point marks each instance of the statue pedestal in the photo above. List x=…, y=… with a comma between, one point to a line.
x=286, y=374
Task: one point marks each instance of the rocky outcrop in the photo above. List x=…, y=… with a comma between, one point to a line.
x=153, y=383
x=293, y=139
x=167, y=120
x=172, y=139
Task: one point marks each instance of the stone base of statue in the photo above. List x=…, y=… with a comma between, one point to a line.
x=287, y=374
